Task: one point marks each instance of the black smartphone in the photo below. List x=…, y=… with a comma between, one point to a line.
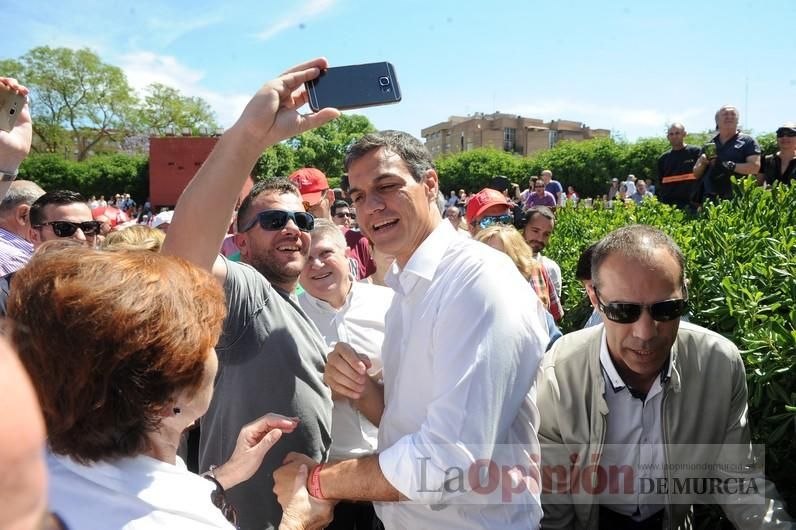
x=355, y=86
x=709, y=149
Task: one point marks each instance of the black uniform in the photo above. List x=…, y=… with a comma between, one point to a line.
x=676, y=180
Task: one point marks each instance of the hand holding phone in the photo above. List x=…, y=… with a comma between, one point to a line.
x=709, y=149
x=354, y=86
x=11, y=104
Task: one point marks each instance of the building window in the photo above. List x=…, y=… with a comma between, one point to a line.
x=509, y=139
x=552, y=138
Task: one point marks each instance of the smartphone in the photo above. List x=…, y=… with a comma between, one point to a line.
x=355, y=86
x=11, y=105
x=710, y=150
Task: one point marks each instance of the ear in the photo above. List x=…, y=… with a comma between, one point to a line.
x=330, y=196
x=431, y=181
x=592, y=295
x=34, y=236
x=241, y=241
x=21, y=214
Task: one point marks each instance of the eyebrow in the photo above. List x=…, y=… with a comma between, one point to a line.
x=378, y=179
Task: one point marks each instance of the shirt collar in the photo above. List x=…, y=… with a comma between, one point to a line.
x=425, y=260
x=616, y=381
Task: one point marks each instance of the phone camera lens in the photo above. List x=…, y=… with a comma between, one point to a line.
x=12, y=111
x=384, y=81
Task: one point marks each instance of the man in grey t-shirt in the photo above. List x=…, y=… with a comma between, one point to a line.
x=271, y=356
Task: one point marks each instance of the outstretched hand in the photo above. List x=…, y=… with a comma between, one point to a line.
x=254, y=441
x=15, y=144
x=272, y=114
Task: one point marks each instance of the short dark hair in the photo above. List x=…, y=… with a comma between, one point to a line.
x=59, y=197
x=336, y=205
x=279, y=185
x=635, y=241
x=414, y=154
x=544, y=211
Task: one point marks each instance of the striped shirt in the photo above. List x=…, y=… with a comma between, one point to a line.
x=14, y=252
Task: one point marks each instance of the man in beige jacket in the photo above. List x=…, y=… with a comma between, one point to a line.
x=645, y=415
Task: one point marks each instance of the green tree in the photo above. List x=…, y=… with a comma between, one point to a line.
x=324, y=148
x=277, y=161
x=472, y=170
x=641, y=157
x=77, y=101
x=164, y=106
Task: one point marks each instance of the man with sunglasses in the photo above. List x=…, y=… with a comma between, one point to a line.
x=637, y=393
x=58, y=214
x=781, y=166
x=488, y=207
x=271, y=356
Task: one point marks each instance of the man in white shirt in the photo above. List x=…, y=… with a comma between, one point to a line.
x=539, y=224
x=460, y=359
x=352, y=313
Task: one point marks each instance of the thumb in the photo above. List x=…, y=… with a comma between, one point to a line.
x=300, y=480
x=268, y=441
x=316, y=119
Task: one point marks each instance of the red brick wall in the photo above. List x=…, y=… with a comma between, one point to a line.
x=173, y=162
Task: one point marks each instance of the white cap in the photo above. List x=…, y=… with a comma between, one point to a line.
x=162, y=218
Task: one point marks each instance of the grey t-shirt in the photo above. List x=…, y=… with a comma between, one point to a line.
x=271, y=359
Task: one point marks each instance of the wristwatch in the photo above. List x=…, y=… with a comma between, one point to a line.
x=5, y=176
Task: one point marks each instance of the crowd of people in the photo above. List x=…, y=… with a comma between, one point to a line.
x=372, y=358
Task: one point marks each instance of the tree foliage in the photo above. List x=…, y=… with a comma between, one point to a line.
x=164, y=106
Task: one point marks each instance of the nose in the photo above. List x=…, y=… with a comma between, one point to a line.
x=79, y=235
x=372, y=202
x=314, y=262
x=291, y=226
x=645, y=328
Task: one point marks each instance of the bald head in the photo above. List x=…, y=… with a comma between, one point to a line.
x=15, y=206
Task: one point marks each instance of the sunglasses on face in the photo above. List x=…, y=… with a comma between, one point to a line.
x=495, y=219
x=273, y=220
x=627, y=313
x=68, y=228
x=783, y=132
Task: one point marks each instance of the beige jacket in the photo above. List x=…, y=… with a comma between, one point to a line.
x=704, y=402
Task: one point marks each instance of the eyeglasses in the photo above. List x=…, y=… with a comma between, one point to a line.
x=272, y=220
x=627, y=313
x=495, y=219
x=786, y=131
x=68, y=228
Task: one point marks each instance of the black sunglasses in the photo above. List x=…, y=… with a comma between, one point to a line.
x=627, y=313
x=68, y=228
x=786, y=131
x=277, y=219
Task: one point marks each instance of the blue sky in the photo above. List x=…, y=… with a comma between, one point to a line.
x=628, y=66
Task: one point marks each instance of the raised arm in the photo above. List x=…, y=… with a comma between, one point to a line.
x=15, y=144
x=203, y=211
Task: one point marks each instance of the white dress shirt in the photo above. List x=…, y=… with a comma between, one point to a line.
x=135, y=493
x=460, y=358
x=633, y=437
x=360, y=324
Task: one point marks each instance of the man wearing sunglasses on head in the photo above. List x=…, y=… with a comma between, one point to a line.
x=486, y=208
x=59, y=214
x=637, y=393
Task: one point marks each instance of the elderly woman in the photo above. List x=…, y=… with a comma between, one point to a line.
x=119, y=346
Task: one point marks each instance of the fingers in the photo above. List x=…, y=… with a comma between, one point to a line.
x=269, y=440
x=273, y=421
x=345, y=372
x=316, y=119
x=319, y=62
x=13, y=84
x=300, y=480
x=294, y=457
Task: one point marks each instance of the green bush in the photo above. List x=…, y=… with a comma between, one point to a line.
x=741, y=270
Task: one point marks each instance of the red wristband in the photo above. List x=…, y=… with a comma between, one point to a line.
x=314, y=482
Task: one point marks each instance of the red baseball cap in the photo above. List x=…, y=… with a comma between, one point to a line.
x=482, y=200
x=311, y=183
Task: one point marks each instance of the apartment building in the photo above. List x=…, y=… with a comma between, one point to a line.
x=507, y=132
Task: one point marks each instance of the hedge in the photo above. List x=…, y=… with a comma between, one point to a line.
x=741, y=271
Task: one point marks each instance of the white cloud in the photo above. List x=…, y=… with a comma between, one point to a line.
x=145, y=68
x=293, y=19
